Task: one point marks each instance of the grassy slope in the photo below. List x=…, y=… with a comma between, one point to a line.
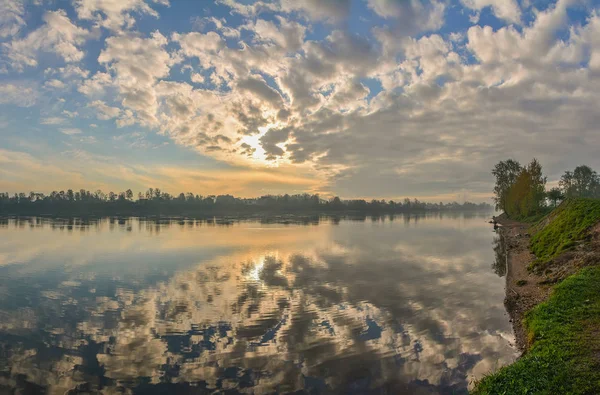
x=568, y=225
x=564, y=357
x=564, y=334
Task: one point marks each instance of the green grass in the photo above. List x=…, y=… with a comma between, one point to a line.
x=534, y=218
x=568, y=225
x=564, y=335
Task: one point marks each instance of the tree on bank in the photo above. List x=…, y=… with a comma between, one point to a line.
x=506, y=173
x=519, y=191
x=581, y=182
x=527, y=195
x=554, y=195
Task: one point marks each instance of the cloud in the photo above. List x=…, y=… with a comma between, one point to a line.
x=104, y=111
x=257, y=86
x=19, y=94
x=115, y=14
x=70, y=131
x=137, y=64
x=251, y=9
x=58, y=35
x=394, y=109
x=11, y=17
x=334, y=10
x=52, y=121
x=97, y=85
x=55, y=84
x=508, y=10
x=411, y=16
x=289, y=36
x=54, y=171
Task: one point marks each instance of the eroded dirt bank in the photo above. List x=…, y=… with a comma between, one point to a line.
x=526, y=289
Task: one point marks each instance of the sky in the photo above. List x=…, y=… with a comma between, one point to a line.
x=356, y=98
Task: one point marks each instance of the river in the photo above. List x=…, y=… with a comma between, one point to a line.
x=386, y=305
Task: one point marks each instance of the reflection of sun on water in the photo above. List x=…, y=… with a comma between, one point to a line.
x=254, y=274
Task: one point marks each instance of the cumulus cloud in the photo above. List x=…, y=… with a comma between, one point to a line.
x=399, y=109
x=411, y=16
x=257, y=86
x=19, y=94
x=137, y=63
x=57, y=35
x=115, y=14
x=11, y=17
x=104, y=111
x=334, y=10
x=508, y=10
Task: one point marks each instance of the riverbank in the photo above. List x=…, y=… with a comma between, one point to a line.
x=553, y=299
x=524, y=289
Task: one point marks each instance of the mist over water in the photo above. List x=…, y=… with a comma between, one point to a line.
x=405, y=304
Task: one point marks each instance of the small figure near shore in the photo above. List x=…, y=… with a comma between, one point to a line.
x=493, y=221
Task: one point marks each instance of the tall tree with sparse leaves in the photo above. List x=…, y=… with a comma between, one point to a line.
x=506, y=173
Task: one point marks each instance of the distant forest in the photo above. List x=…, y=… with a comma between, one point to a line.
x=156, y=202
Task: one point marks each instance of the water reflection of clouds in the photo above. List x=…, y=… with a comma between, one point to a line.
x=350, y=307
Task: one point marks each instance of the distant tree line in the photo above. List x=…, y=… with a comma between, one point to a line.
x=156, y=202
x=520, y=191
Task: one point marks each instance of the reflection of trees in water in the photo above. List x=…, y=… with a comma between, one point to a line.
x=499, y=264
x=155, y=224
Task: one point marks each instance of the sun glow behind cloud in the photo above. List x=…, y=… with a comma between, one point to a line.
x=365, y=97
x=259, y=155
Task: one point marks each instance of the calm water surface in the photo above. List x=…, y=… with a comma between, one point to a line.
x=409, y=305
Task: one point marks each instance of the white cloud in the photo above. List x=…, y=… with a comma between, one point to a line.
x=52, y=121
x=114, y=14
x=251, y=9
x=508, y=10
x=19, y=94
x=396, y=112
x=137, y=64
x=288, y=35
x=55, y=84
x=105, y=112
x=11, y=17
x=70, y=131
x=70, y=114
x=58, y=35
x=97, y=85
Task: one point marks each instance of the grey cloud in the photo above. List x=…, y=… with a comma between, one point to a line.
x=411, y=16
x=319, y=9
x=446, y=112
x=270, y=140
x=259, y=87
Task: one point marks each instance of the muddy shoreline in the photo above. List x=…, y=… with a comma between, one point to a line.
x=523, y=289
